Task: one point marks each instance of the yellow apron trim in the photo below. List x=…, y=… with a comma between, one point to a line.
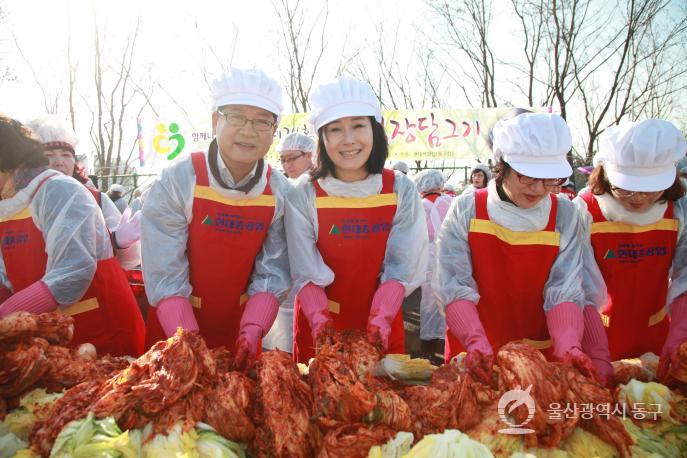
x=25, y=213
x=207, y=193
x=609, y=227
x=196, y=301
x=81, y=307
x=606, y=320
x=377, y=200
x=484, y=226
x=538, y=344
x=658, y=316
x=334, y=307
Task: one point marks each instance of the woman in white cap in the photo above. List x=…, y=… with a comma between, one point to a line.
x=296, y=153
x=479, y=178
x=56, y=251
x=634, y=216
x=508, y=256
x=59, y=141
x=356, y=231
x=116, y=194
x=213, y=243
x=429, y=184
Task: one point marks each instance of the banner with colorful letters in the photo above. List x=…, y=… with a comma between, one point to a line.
x=413, y=135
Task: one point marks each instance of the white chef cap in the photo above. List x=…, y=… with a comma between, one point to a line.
x=641, y=156
x=534, y=144
x=248, y=87
x=340, y=98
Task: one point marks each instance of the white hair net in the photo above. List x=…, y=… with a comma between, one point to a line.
x=484, y=168
x=429, y=179
x=401, y=167
x=51, y=128
x=298, y=142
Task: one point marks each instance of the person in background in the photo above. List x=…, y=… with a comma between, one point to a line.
x=429, y=184
x=59, y=142
x=585, y=170
x=682, y=168
x=568, y=190
x=509, y=260
x=116, y=194
x=356, y=231
x=214, y=250
x=56, y=250
x=401, y=166
x=479, y=178
x=449, y=190
x=136, y=203
x=296, y=153
x=633, y=224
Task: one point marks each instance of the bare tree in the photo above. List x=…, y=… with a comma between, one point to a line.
x=51, y=93
x=597, y=63
x=461, y=25
x=401, y=78
x=119, y=97
x=632, y=70
x=303, y=44
x=6, y=73
x=72, y=67
x=532, y=16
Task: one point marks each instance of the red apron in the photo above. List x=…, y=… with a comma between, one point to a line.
x=134, y=276
x=224, y=238
x=106, y=316
x=635, y=262
x=352, y=237
x=511, y=269
x=432, y=197
x=96, y=195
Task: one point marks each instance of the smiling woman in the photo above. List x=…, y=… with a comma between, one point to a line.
x=56, y=252
x=356, y=231
x=509, y=264
x=633, y=223
x=348, y=150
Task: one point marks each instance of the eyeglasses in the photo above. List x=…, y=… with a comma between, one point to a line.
x=237, y=120
x=288, y=160
x=547, y=182
x=623, y=193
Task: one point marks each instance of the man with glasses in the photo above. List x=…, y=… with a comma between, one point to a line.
x=213, y=242
x=296, y=152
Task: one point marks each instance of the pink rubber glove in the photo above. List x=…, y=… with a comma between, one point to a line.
x=463, y=321
x=174, y=312
x=595, y=345
x=35, y=298
x=314, y=306
x=257, y=319
x=677, y=333
x=385, y=306
x=128, y=231
x=566, y=327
